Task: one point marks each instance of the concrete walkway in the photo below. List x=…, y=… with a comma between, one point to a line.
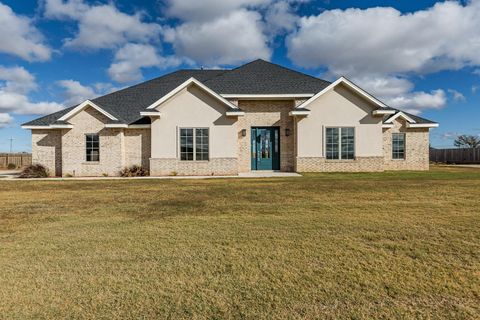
x=12, y=176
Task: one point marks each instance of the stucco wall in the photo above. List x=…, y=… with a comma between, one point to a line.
x=416, y=148
x=73, y=146
x=340, y=108
x=193, y=108
x=47, y=150
x=259, y=113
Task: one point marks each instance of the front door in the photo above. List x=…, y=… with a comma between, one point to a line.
x=265, y=148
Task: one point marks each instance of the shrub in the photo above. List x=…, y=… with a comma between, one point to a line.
x=11, y=166
x=134, y=171
x=174, y=173
x=68, y=175
x=34, y=171
x=105, y=174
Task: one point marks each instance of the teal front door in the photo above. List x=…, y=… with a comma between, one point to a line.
x=265, y=148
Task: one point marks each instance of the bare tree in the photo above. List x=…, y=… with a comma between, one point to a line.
x=467, y=141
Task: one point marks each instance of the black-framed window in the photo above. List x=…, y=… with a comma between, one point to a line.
x=398, y=146
x=340, y=143
x=194, y=144
x=92, y=147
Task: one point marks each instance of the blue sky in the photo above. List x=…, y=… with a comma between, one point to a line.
x=420, y=56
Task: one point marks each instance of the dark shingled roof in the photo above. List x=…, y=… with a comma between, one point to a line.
x=262, y=77
x=256, y=77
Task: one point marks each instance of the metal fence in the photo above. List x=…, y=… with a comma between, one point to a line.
x=18, y=159
x=459, y=155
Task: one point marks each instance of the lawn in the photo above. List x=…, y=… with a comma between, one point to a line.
x=362, y=246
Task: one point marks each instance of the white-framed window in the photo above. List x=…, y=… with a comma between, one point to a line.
x=340, y=143
x=194, y=144
x=398, y=146
x=92, y=147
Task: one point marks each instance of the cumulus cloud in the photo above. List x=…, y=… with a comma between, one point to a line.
x=280, y=18
x=383, y=40
x=131, y=58
x=101, y=26
x=20, y=38
x=234, y=38
x=381, y=47
x=15, y=84
x=201, y=11
x=5, y=120
x=74, y=92
x=398, y=92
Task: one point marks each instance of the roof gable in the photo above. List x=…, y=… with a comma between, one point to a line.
x=189, y=82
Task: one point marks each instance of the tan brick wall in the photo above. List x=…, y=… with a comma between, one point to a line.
x=47, y=150
x=213, y=167
x=73, y=146
x=268, y=113
x=416, y=148
x=137, y=147
x=360, y=164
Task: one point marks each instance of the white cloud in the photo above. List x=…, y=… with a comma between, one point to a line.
x=17, y=79
x=101, y=26
x=234, y=38
x=398, y=92
x=5, y=120
x=474, y=89
x=418, y=101
x=15, y=84
x=383, y=40
x=131, y=58
x=457, y=96
x=205, y=10
x=280, y=18
x=19, y=37
x=74, y=92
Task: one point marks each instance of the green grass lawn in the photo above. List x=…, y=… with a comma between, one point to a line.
x=362, y=246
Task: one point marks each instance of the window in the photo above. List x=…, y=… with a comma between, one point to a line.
x=92, y=147
x=340, y=143
x=398, y=146
x=194, y=144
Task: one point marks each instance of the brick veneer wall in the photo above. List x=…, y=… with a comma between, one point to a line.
x=73, y=146
x=47, y=150
x=360, y=164
x=266, y=113
x=215, y=166
x=137, y=147
x=416, y=148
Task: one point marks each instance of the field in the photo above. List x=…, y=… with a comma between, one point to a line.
x=361, y=246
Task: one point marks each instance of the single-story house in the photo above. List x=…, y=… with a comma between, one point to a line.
x=259, y=116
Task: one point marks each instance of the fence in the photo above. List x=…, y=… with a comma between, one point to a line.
x=459, y=155
x=18, y=159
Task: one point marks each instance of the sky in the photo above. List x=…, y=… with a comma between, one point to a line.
x=419, y=56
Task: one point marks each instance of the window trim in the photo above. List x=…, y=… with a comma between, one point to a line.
x=194, y=144
x=86, y=148
x=404, y=146
x=340, y=143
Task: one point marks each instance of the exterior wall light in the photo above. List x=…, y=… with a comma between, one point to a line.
x=287, y=132
x=244, y=132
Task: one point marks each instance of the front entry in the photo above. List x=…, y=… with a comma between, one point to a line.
x=265, y=148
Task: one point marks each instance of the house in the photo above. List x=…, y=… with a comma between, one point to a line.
x=259, y=116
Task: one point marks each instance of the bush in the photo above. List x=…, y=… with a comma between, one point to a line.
x=34, y=171
x=134, y=171
x=11, y=166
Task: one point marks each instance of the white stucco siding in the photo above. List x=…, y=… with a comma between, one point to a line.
x=192, y=107
x=340, y=107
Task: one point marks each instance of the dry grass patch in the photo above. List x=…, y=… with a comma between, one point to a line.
x=391, y=245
